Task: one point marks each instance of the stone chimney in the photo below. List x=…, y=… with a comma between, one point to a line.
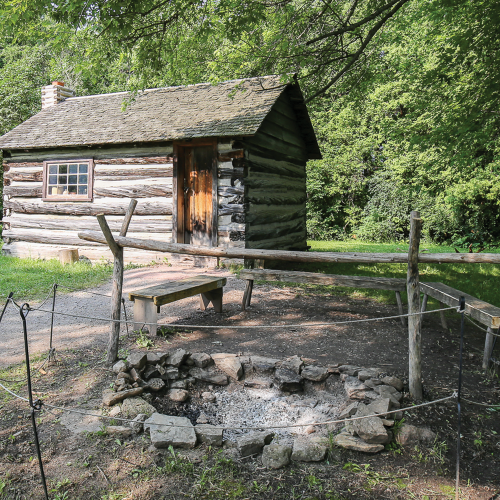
x=55, y=93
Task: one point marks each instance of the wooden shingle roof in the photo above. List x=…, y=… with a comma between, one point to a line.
x=229, y=109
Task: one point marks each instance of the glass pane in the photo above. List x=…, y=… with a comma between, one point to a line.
x=73, y=179
x=60, y=189
x=83, y=168
x=72, y=189
x=53, y=179
x=52, y=169
x=82, y=189
x=82, y=179
x=63, y=179
x=63, y=169
x=73, y=169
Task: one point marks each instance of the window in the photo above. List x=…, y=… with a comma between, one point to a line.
x=67, y=180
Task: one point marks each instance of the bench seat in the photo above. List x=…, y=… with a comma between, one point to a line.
x=147, y=301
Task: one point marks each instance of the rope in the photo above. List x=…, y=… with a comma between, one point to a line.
x=480, y=404
x=329, y=422
x=234, y=327
x=480, y=327
x=84, y=291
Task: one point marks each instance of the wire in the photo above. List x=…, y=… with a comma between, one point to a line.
x=480, y=404
x=305, y=325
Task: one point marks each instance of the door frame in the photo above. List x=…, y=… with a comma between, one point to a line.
x=177, y=189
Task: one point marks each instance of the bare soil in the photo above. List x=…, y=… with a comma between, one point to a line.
x=95, y=465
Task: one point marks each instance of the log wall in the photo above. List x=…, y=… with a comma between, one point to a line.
x=36, y=228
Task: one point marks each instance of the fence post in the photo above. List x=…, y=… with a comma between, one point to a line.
x=414, y=322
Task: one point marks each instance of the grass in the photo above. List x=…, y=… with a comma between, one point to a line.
x=479, y=280
x=32, y=279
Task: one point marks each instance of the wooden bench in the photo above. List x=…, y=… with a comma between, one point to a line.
x=147, y=302
x=396, y=284
x=481, y=311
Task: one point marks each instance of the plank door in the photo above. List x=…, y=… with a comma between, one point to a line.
x=195, y=195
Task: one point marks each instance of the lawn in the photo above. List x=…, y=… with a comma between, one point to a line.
x=32, y=279
x=479, y=280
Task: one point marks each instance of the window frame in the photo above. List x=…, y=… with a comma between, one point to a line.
x=67, y=197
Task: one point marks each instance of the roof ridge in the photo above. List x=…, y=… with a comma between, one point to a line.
x=203, y=84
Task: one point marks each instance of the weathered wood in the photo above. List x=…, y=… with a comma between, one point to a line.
x=247, y=296
x=442, y=316
x=68, y=255
x=231, y=209
x=262, y=214
x=175, y=290
x=230, y=173
x=131, y=174
x=23, y=191
x=133, y=191
x=145, y=160
x=139, y=224
x=13, y=163
x=29, y=176
x=257, y=162
x=272, y=231
x=400, y=307
x=128, y=217
x=396, y=284
x=115, y=206
x=230, y=155
x=287, y=199
x=481, y=311
x=115, y=249
x=230, y=190
x=488, y=348
x=414, y=320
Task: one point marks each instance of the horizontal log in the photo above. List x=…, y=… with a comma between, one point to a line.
x=230, y=190
x=229, y=155
x=137, y=191
x=263, y=214
x=396, y=284
x=231, y=173
x=139, y=224
x=23, y=191
x=59, y=237
x=290, y=256
x=231, y=209
x=137, y=160
x=258, y=163
x=479, y=310
x=267, y=151
x=12, y=163
x=271, y=231
x=122, y=174
x=286, y=199
x=116, y=206
x=30, y=175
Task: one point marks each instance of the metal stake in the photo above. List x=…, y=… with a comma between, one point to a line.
x=462, y=310
x=6, y=304
x=34, y=405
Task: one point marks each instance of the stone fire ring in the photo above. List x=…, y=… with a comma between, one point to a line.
x=302, y=390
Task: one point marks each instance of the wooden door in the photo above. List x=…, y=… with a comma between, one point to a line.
x=195, y=186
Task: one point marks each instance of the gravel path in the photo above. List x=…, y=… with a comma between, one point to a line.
x=72, y=332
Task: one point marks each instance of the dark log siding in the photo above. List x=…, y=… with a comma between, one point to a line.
x=39, y=228
x=275, y=184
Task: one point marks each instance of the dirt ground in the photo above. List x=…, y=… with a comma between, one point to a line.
x=95, y=465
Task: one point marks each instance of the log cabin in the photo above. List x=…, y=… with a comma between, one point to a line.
x=216, y=165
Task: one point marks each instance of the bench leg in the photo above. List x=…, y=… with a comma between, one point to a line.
x=214, y=296
x=247, y=296
x=442, y=316
x=488, y=348
x=145, y=311
x=400, y=308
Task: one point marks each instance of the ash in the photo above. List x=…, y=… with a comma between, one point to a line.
x=239, y=406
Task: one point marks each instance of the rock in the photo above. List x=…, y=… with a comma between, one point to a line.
x=202, y=419
x=287, y=380
x=275, y=456
x=354, y=388
x=119, y=431
x=258, y=383
x=380, y=406
x=115, y=411
x=208, y=396
x=179, y=384
x=137, y=425
x=155, y=384
x=393, y=382
x=306, y=450
x=263, y=365
x=168, y=431
x=209, y=376
x=386, y=391
x=148, y=397
x=170, y=373
x=367, y=373
x=209, y=434
x=253, y=442
x=135, y=406
x=178, y=395
x=349, y=442
x=177, y=357
x=315, y=373
x=372, y=382
x=124, y=376
x=121, y=366
x=294, y=364
x=229, y=364
x=370, y=429
x=163, y=357
x=110, y=398
x=387, y=423
x=151, y=372
x=410, y=435
x=349, y=411
x=152, y=358
x=310, y=429
x=137, y=360
x=350, y=370
x=201, y=359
